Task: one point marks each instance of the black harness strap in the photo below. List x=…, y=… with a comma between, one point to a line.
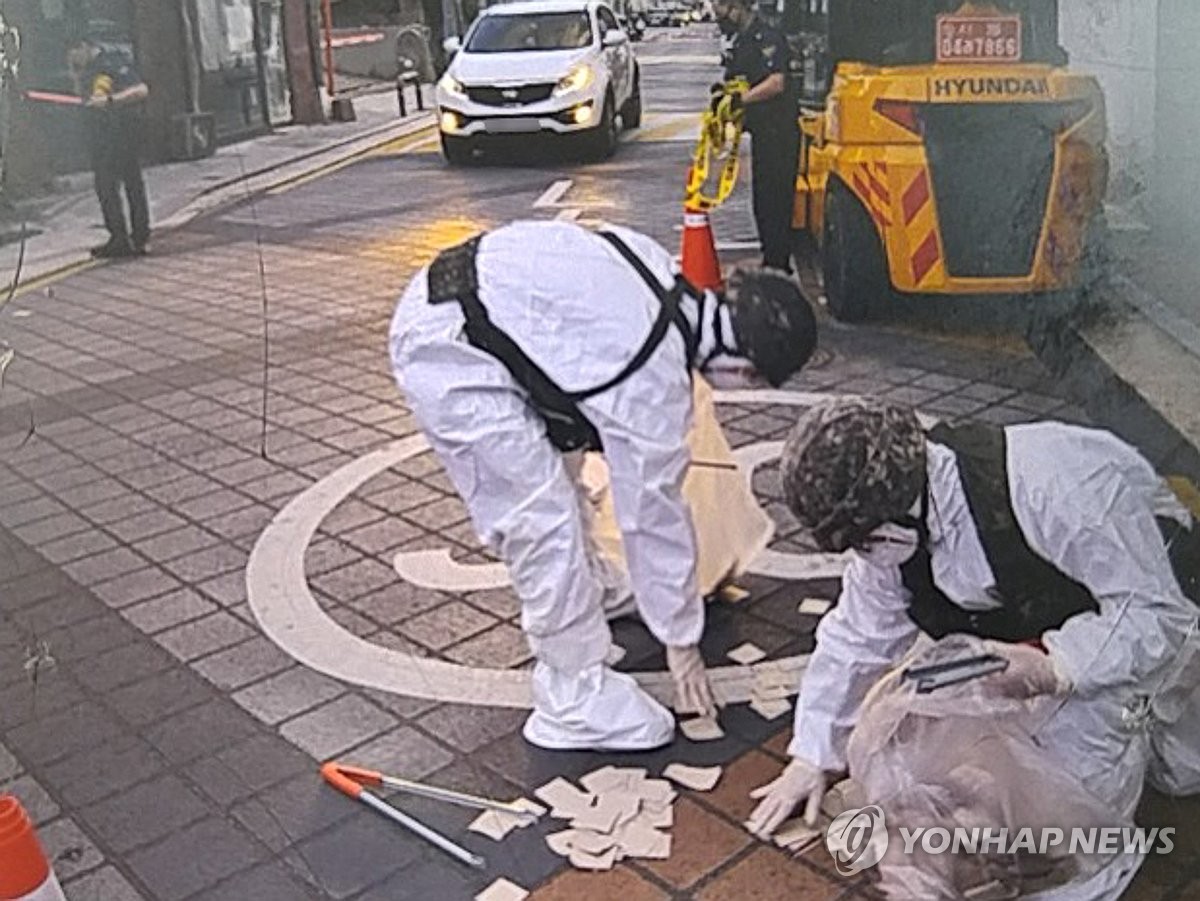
x=453, y=276
x=669, y=312
x=1035, y=595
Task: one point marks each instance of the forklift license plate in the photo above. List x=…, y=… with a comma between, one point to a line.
x=978, y=39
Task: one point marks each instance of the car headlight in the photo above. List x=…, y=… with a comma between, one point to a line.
x=576, y=80
x=452, y=86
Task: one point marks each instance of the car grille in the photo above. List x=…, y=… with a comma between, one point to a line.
x=991, y=167
x=517, y=95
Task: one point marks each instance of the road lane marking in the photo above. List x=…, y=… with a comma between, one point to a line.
x=553, y=194
x=570, y=214
x=47, y=279
x=287, y=612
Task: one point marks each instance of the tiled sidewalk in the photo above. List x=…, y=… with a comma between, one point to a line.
x=180, y=741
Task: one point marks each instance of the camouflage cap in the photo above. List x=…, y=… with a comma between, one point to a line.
x=850, y=465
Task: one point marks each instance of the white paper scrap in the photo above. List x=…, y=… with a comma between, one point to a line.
x=612, y=778
x=795, y=834
x=502, y=890
x=590, y=842
x=772, y=692
x=565, y=800
x=496, y=825
x=770, y=709
x=581, y=860
x=697, y=778
x=747, y=654
x=657, y=792
x=639, y=840
x=615, y=655
x=815, y=606
x=841, y=797
x=535, y=810
x=632, y=807
x=702, y=728
x=601, y=816
x=600, y=780
x=657, y=817
x=561, y=842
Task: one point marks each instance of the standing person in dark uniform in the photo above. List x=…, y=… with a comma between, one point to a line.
x=114, y=95
x=759, y=54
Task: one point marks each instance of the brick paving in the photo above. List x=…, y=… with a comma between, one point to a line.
x=170, y=751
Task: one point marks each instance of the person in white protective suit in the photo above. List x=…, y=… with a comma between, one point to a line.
x=1047, y=533
x=531, y=343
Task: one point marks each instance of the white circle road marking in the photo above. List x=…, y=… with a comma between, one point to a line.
x=437, y=570
x=289, y=615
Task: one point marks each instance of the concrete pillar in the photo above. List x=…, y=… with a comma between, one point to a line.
x=302, y=71
x=158, y=42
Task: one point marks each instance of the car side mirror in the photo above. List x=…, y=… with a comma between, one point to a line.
x=452, y=44
x=614, y=38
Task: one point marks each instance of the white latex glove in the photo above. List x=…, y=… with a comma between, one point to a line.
x=799, y=781
x=693, y=694
x=1030, y=672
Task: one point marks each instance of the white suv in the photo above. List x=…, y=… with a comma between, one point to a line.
x=540, y=66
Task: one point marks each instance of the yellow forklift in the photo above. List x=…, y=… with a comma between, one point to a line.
x=954, y=153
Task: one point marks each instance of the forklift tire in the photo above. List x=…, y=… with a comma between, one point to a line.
x=457, y=151
x=852, y=259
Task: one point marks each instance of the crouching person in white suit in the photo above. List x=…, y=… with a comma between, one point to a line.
x=1058, y=545
x=538, y=340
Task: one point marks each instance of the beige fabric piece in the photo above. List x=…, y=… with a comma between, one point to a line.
x=731, y=528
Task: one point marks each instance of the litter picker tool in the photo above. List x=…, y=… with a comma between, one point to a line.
x=351, y=780
x=942, y=675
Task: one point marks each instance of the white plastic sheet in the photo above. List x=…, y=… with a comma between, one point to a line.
x=962, y=756
x=731, y=528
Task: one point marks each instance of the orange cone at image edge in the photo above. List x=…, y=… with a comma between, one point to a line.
x=698, y=256
x=25, y=874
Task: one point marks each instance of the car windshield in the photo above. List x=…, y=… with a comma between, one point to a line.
x=534, y=31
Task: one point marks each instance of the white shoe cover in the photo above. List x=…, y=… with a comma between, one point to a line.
x=596, y=710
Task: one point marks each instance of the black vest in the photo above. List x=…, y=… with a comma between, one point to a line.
x=453, y=276
x=1035, y=596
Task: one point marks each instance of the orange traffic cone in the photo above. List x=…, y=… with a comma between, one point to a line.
x=698, y=257
x=25, y=874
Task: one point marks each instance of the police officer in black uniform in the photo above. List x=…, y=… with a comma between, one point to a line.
x=113, y=96
x=759, y=54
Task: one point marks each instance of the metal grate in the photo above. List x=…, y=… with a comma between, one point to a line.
x=515, y=95
x=991, y=166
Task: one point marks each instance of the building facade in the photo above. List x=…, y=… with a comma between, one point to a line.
x=218, y=70
x=1144, y=54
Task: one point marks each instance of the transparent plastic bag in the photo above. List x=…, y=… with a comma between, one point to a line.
x=963, y=757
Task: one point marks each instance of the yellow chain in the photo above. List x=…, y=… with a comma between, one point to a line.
x=720, y=140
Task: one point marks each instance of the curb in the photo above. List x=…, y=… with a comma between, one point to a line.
x=237, y=190
x=1133, y=377
x=250, y=184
